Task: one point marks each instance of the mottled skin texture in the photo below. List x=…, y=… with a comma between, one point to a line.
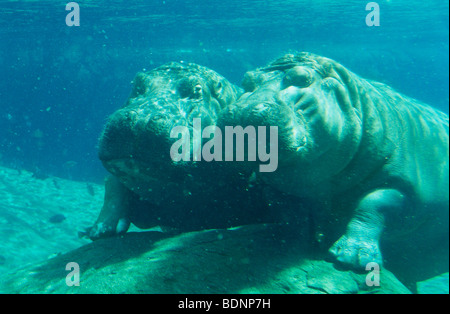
x=358, y=149
x=147, y=188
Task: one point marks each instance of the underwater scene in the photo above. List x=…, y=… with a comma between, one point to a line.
x=224, y=147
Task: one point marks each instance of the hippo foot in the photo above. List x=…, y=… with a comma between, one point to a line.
x=356, y=252
x=108, y=228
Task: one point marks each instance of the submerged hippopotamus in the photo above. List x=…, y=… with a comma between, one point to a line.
x=148, y=187
x=357, y=149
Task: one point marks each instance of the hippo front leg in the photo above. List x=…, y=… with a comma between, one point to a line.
x=114, y=216
x=360, y=244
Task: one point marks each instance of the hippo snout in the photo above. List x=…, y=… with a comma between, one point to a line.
x=292, y=131
x=264, y=108
x=116, y=141
x=128, y=136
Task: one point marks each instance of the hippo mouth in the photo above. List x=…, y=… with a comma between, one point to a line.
x=149, y=181
x=138, y=171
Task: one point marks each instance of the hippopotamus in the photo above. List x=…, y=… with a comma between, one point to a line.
x=147, y=187
x=371, y=162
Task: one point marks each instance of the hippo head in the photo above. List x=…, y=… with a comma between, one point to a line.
x=311, y=101
x=135, y=144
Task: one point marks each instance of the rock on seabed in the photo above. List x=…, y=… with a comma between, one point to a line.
x=250, y=259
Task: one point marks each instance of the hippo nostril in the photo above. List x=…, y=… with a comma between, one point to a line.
x=303, y=143
x=291, y=95
x=155, y=120
x=306, y=101
x=261, y=107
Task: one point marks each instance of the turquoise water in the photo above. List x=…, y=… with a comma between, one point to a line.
x=76, y=76
x=58, y=84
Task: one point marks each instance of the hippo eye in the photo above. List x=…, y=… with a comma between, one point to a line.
x=188, y=87
x=249, y=82
x=298, y=76
x=198, y=91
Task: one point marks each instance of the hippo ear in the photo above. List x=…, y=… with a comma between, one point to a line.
x=217, y=88
x=250, y=81
x=139, y=85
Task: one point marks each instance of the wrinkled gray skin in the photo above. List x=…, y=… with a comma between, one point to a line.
x=358, y=149
x=147, y=188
